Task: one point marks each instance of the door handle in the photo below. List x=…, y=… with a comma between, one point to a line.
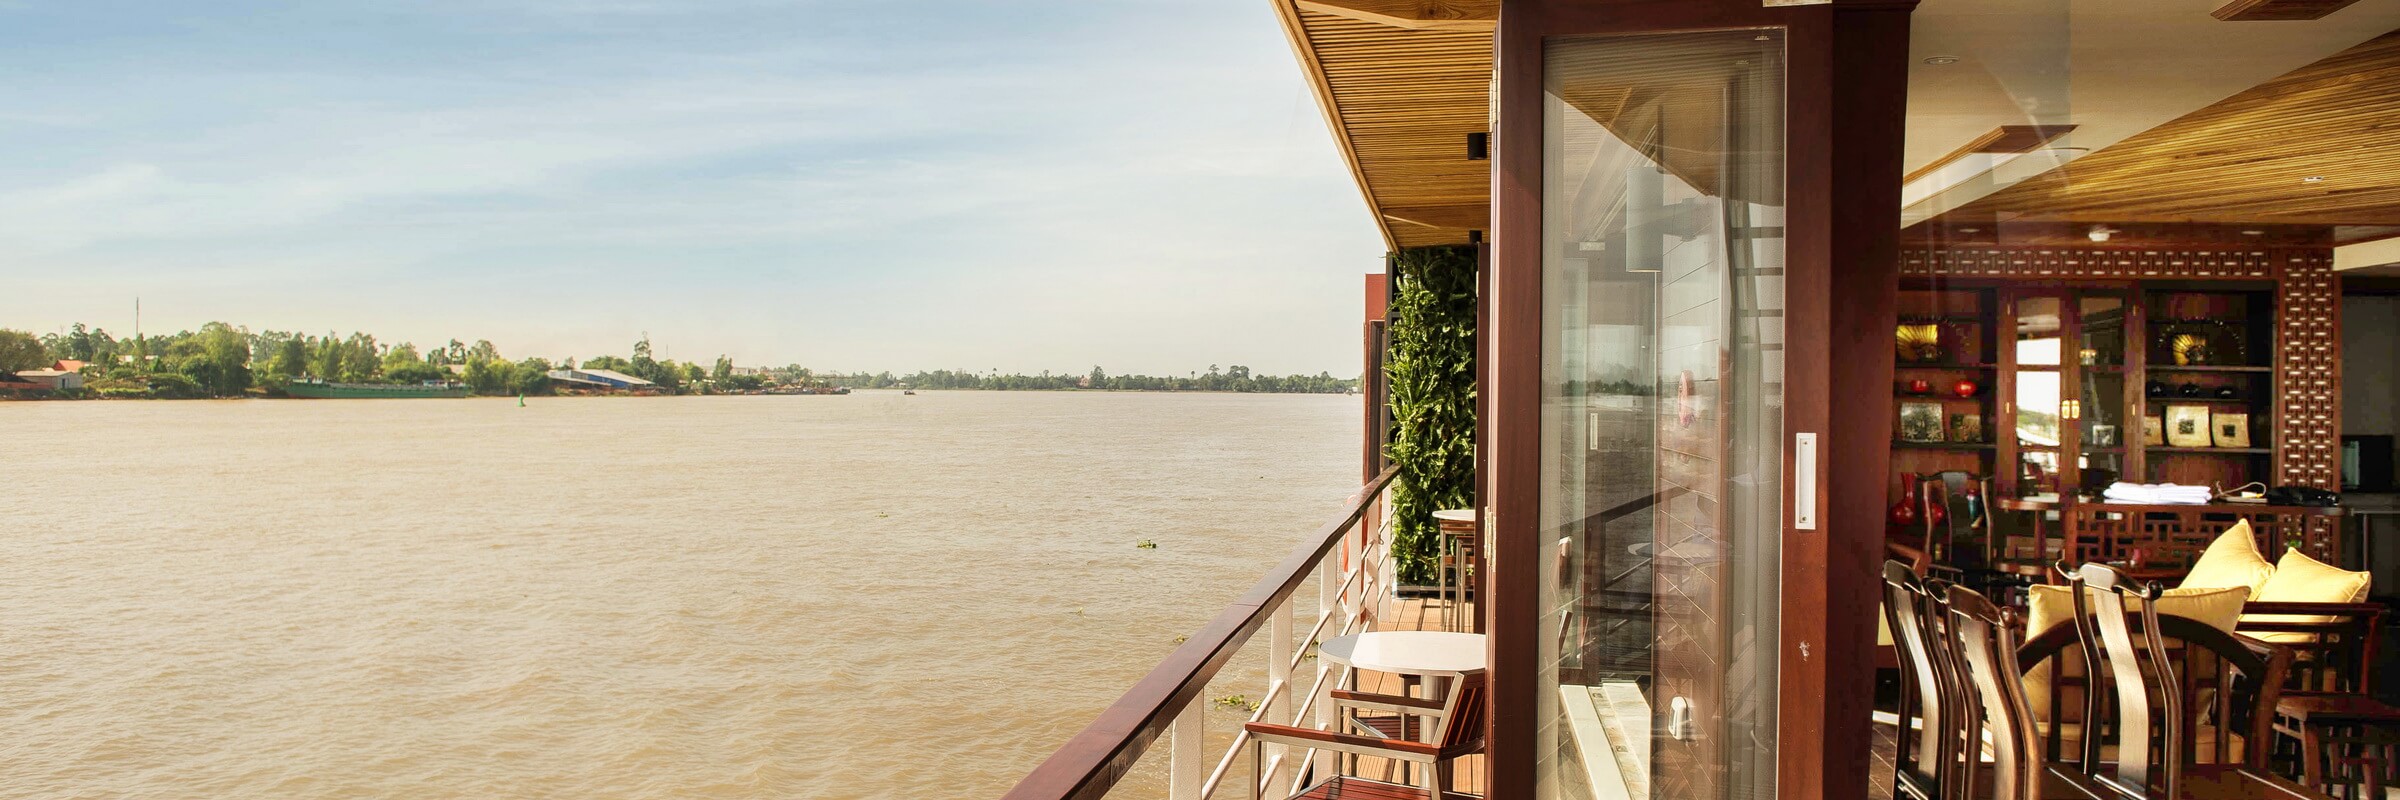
x=1804, y=481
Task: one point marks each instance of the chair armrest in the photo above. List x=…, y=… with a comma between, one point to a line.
x=1348, y=743
x=2315, y=609
x=1387, y=702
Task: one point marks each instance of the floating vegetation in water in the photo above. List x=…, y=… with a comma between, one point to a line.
x=1237, y=701
x=1146, y=544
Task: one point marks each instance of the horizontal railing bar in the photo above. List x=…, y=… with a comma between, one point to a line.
x=1092, y=761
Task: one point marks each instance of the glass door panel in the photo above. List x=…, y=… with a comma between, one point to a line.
x=2041, y=321
x=1663, y=414
x=2101, y=424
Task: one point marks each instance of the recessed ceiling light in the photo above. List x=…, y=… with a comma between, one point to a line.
x=1942, y=61
x=1970, y=230
x=2313, y=179
x=2100, y=233
x=2254, y=233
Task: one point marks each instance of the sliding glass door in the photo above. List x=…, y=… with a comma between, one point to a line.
x=1663, y=403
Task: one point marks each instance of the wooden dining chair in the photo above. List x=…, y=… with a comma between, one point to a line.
x=1922, y=763
x=1453, y=728
x=1983, y=636
x=2124, y=642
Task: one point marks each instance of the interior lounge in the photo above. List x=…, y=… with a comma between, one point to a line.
x=1922, y=399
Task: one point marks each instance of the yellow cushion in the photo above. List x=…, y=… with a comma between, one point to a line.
x=2230, y=561
x=2050, y=606
x=2300, y=579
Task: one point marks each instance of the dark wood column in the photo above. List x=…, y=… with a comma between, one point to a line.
x=1846, y=100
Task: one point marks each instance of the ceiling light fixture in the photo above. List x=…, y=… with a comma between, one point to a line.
x=1942, y=61
x=2313, y=179
x=2100, y=233
x=1970, y=230
x=2254, y=232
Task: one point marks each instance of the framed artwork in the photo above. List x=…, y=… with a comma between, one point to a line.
x=1967, y=428
x=2187, y=426
x=2230, y=430
x=1921, y=422
x=2154, y=431
x=1919, y=342
x=2104, y=435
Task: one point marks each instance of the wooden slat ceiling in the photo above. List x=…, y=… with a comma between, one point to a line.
x=1401, y=102
x=2243, y=160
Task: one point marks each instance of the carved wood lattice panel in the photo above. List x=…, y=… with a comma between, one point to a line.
x=2309, y=381
x=2035, y=263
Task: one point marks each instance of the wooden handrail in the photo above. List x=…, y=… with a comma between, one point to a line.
x=1092, y=762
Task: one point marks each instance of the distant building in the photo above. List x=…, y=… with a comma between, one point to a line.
x=749, y=370
x=67, y=365
x=55, y=379
x=600, y=379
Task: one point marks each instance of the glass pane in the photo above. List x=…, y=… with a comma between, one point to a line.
x=2104, y=410
x=2103, y=331
x=2037, y=473
x=2037, y=408
x=2038, y=327
x=2096, y=470
x=1663, y=375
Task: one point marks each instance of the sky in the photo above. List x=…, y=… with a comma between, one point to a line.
x=902, y=185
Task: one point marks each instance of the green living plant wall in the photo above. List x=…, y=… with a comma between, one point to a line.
x=1430, y=365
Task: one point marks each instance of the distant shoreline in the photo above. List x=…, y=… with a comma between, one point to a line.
x=86, y=396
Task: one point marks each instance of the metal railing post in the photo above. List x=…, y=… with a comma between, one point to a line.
x=1187, y=766
x=1279, y=683
x=1329, y=597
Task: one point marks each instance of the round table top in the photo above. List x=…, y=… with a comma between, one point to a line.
x=1408, y=652
x=1455, y=515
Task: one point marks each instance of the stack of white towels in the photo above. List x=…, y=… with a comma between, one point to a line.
x=2157, y=494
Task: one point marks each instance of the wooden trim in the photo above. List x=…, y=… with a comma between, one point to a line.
x=1288, y=14
x=2278, y=10
x=1092, y=762
x=1512, y=479
x=2003, y=139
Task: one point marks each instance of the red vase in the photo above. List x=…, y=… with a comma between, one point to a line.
x=1965, y=388
x=1904, y=513
x=1920, y=386
x=1936, y=515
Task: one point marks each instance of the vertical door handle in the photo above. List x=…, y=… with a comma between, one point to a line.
x=1804, y=481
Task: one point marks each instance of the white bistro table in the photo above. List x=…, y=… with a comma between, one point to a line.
x=1439, y=657
x=1426, y=654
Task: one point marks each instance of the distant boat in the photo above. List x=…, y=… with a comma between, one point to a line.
x=908, y=391
x=322, y=389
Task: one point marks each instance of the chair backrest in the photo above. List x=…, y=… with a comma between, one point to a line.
x=1984, y=639
x=2106, y=633
x=1905, y=614
x=1462, y=730
x=2236, y=677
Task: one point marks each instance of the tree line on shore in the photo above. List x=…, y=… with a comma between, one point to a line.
x=223, y=360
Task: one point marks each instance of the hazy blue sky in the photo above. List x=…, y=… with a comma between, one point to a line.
x=1022, y=185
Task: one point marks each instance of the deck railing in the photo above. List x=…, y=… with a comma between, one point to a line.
x=1354, y=587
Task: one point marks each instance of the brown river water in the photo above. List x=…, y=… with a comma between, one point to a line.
x=753, y=597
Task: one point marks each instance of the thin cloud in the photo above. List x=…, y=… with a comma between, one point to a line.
x=1142, y=190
